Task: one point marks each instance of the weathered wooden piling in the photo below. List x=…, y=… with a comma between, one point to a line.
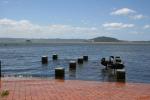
x=44, y=59
x=80, y=60
x=55, y=56
x=59, y=72
x=72, y=65
x=85, y=58
x=0, y=71
x=121, y=74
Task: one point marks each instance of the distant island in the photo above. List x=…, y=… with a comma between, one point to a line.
x=102, y=39
x=105, y=39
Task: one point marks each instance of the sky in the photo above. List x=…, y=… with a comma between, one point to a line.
x=82, y=19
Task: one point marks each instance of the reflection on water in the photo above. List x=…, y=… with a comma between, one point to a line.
x=110, y=75
x=72, y=73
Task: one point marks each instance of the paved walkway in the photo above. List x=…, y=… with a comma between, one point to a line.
x=42, y=89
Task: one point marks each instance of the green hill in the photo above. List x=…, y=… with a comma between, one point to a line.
x=105, y=39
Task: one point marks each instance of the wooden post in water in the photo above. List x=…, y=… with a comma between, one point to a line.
x=55, y=57
x=0, y=70
x=59, y=73
x=72, y=65
x=85, y=58
x=121, y=75
x=44, y=59
x=80, y=60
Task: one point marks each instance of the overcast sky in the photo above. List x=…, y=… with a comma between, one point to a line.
x=122, y=19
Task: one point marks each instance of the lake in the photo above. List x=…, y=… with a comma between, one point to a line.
x=25, y=60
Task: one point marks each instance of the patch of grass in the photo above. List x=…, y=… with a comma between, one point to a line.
x=4, y=93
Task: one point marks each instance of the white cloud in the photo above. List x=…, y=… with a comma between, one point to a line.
x=129, y=13
x=123, y=11
x=7, y=22
x=25, y=28
x=114, y=26
x=139, y=16
x=147, y=27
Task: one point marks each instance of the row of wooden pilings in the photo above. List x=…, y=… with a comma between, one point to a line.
x=80, y=60
x=44, y=59
x=60, y=71
x=0, y=70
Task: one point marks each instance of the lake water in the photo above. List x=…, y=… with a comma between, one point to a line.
x=25, y=60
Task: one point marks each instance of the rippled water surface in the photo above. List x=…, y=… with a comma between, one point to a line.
x=26, y=60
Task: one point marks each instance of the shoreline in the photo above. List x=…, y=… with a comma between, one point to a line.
x=123, y=43
x=50, y=79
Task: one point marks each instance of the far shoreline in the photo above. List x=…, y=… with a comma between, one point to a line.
x=121, y=43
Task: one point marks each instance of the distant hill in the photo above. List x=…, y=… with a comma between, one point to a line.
x=105, y=39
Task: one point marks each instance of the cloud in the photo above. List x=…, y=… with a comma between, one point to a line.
x=116, y=26
x=123, y=11
x=139, y=16
x=13, y=23
x=12, y=26
x=128, y=12
x=147, y=27
x=24, y=28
